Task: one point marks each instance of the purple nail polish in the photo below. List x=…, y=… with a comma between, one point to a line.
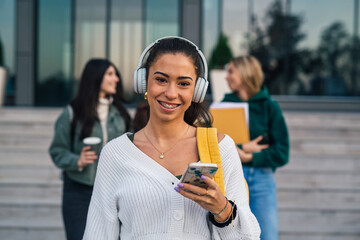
x=177, y=189
x=180, y=185
x=203, y=177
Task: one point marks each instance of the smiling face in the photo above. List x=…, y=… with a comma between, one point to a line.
x=109, y=82
x=170, y=86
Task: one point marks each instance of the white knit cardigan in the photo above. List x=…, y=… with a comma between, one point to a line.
x=134, y=198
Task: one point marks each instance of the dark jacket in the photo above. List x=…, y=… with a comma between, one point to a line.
x=265, y=116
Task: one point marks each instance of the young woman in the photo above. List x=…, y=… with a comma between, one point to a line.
x=137, y=194
x=269, y=145
x=96, y=111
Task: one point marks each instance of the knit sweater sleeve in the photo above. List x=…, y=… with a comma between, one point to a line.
x=245, y=225
x=277, y=154
x=102, y=220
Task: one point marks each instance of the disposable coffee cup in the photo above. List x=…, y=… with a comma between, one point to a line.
x=94, y=143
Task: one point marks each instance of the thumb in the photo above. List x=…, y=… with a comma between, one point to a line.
x=258, y=139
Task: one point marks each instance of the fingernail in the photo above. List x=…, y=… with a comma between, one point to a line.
x=177, y=189
x=180, y=185
x=203, y=177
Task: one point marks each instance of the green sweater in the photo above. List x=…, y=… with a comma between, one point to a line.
x=265, y=116
x=60, y=149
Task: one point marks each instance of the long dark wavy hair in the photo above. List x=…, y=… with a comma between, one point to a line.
x=86, y=100
x=197, y=114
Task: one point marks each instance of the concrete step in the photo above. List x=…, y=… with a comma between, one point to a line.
x=35, y=231
x=320, y=179
x=325, y=147
x=34, y=209
x=44, y=173
x=29, y=114
x=25, y=188
x=316, y=199
x=25, y=140
x=16, y=158
x=324, y=134
x=319, y=222
x=323, y=162
x=322, y=120
x=316, y=236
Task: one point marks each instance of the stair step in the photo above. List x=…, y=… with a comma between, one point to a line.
x=16, y=158
x=316, y=236
x=39, y=172
x=21, y=140
x=29, y=114
x=32, y=232
x=31, y=188
x=309, y=162
x=328, y=147
x=322, y=120
x=328, y=222
x=31, y=209
x=318, y=200
x=318, y=179
x=324, y=134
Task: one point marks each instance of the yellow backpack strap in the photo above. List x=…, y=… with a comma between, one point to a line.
x=209, y=152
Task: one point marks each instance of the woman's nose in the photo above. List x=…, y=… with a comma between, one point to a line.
x=170, y=91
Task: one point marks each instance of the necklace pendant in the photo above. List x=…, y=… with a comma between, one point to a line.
x=161, y=156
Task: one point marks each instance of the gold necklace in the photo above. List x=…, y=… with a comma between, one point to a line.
x=162, y=153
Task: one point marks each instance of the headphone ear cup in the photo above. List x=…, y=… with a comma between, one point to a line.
x=140, y=80
x=200, y=90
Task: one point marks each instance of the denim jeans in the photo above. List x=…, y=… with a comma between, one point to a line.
x=75, y=204
x=263, y=203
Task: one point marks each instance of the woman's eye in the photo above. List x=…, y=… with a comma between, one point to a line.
x=184, y=84
x=161, y=80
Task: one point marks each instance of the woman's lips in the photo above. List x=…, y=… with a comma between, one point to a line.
x=168, y=106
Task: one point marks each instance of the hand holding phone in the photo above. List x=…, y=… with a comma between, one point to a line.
x=194, y=171
x=265, y=139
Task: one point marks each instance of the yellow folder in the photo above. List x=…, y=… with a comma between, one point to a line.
x=233, y=122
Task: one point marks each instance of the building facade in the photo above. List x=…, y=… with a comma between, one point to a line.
x=304, y=52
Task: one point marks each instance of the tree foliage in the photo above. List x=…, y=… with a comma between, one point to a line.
x=221, y=55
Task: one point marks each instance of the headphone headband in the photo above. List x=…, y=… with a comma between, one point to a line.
x=202, y=57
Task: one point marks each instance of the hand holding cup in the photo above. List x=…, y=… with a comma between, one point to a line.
x=89, y=152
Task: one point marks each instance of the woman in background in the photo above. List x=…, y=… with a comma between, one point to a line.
x=96, y=111
x=269, y=145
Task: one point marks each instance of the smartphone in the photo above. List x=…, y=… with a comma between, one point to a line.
x=194, y=171
x=265, y=139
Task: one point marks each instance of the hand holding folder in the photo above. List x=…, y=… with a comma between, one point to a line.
x=232, y=119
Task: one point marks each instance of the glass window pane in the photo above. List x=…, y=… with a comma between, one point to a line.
x=211, y=26
x=126, y=39
x=328, y=63
x=53, y=82
x=162, y=19
x=7, y=45
x=90, y=32
x=235, y=24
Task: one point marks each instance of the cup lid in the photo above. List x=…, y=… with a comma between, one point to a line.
x=91, y=140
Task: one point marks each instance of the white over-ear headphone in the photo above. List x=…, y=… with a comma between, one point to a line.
x=201, y=83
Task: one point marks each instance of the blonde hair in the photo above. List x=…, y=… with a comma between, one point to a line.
x=250, y=72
